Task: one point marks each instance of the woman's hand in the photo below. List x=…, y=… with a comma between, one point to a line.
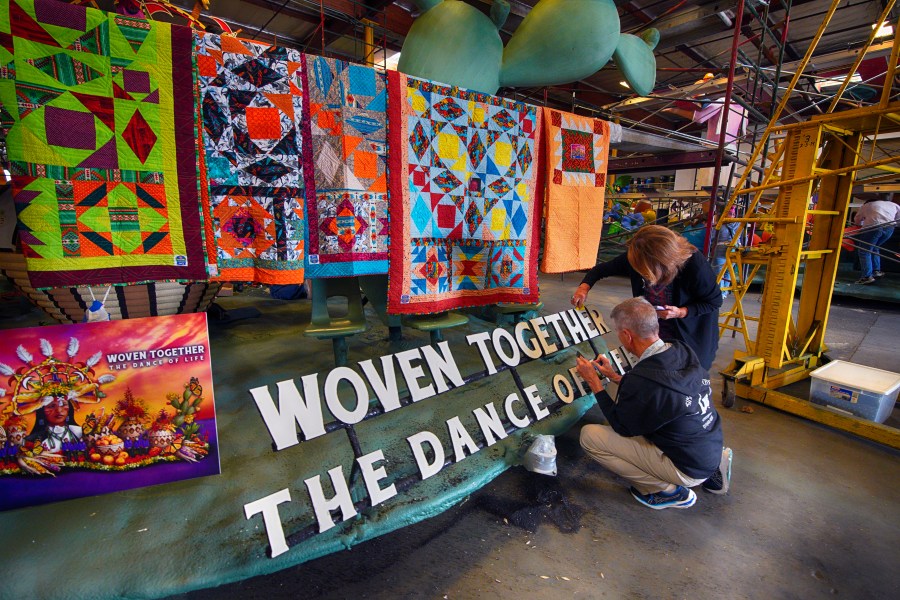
x=580, y=295
x=587, y=372
x=671, y=312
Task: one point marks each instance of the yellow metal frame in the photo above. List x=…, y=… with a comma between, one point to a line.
x=870, y=430
x=819, y=156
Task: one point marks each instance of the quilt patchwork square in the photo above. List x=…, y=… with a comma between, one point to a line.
x=579, y=148
x=466, y=184
x=252, y=114
x=98, y=116
x=346, y=198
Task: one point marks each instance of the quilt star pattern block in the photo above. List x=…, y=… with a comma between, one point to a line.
x=251, y=108
x=97, y=109
x=463, y=175
x=346, y=193
x=578, y=151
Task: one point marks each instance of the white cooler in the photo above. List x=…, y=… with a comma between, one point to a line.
x=863, y=391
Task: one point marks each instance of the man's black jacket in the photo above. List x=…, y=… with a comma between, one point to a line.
x=666, y=398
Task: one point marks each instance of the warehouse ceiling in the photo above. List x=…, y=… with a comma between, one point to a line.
x=696, y=37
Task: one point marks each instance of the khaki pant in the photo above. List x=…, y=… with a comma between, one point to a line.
x=634, y=458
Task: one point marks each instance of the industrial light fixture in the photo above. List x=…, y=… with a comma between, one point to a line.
x=884, y=30
x=834, y=82
x=726, y=16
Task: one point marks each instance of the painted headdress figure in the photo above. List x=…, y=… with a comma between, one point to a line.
x=51, y=389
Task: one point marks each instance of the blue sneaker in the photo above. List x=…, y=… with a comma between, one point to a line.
x=720, y=481
x=682, y=497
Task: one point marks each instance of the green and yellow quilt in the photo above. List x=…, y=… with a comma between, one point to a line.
x=98, y=113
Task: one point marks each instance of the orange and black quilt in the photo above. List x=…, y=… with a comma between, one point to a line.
x=252, y=183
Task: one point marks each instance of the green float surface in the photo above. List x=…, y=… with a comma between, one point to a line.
x=172, y=538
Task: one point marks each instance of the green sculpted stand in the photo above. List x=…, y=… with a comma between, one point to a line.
x=560, y=41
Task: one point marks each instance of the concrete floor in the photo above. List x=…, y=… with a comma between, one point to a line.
x=812, y=513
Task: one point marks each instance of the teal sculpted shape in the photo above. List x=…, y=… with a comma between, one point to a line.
x=636, y=64
x=559, y=41
x=452, y=42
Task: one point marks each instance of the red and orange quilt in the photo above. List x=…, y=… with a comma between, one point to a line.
x=346, y=192
x=578, y=151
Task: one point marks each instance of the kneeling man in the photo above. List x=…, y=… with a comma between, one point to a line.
x=664, y=435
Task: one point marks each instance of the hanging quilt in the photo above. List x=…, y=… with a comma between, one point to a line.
x=463, y=191
x=98, y=114
x=346, y=193
x=578, y=150
x=251, y=107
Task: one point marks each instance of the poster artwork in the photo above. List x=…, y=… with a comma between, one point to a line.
x=94, y=408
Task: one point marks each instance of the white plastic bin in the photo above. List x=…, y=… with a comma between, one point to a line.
x=863, y=391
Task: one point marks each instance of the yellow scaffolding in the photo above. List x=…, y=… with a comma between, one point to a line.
x=820, y=156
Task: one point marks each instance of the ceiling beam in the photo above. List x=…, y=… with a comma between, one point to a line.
x=680, y=160
x=371, y=9
x=288, y=11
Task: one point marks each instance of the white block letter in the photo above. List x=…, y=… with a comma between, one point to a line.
x=573, y=324
x=537, y=324
x=426, y=437
x=479, y=339
x=563, y=389
x=536, y=403
x=587, y=323
x=461, y=439
x=372, y=476
x=534, y=349
x=385, y=389
x=598, y=321
x=323, y=507
x=356, y=414
x=554, y=320
x=268, y=506
x=490, y=423
x=515, y=357
x=511, y=414
x=412, y=373
x=442, y=367
x=291, y=410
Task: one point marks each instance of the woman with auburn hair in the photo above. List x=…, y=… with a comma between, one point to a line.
x=674, y=277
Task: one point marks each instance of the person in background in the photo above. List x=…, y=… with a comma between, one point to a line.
x=877, y=218
x=676, y=278
x=664, y=434
x=724, y=236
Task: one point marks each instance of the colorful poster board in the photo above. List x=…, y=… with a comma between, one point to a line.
x=102, y=407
